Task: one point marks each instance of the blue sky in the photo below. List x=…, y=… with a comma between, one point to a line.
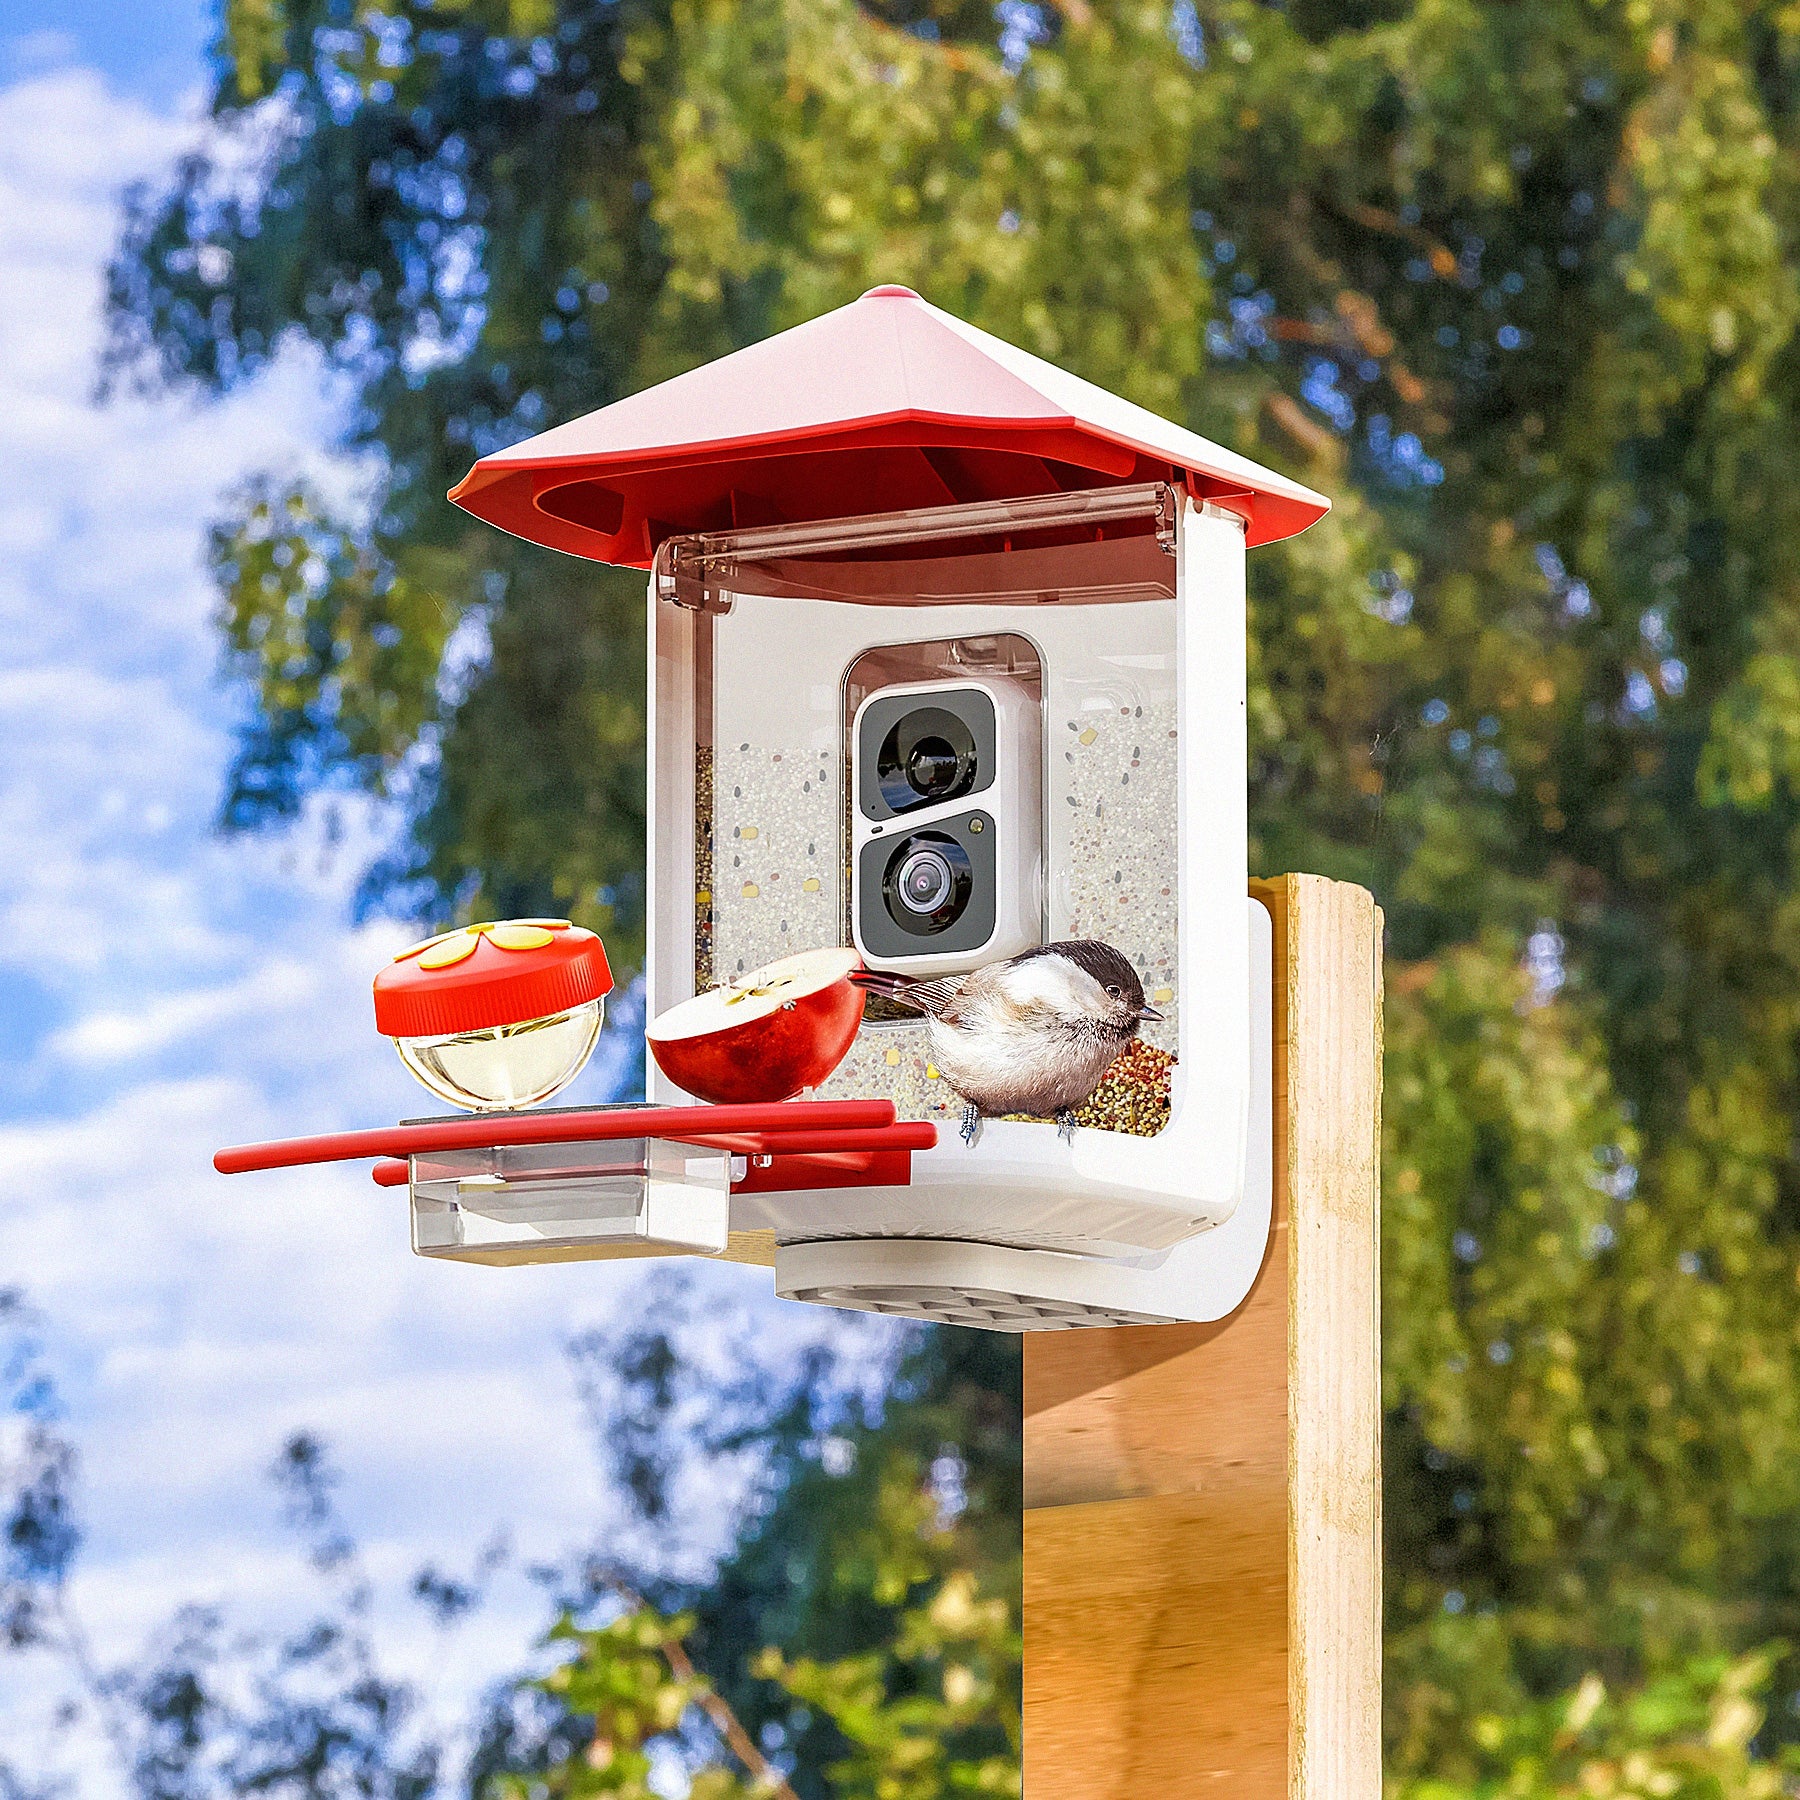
x=164, y=991
x=151, y=50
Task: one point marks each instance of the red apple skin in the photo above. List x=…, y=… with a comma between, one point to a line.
x=771, y=1058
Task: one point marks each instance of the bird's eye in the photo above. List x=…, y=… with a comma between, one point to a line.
x=1113, y=993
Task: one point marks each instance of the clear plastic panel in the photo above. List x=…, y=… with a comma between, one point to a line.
x=1061, y=647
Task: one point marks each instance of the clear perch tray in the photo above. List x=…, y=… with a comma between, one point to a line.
x=520, y=1203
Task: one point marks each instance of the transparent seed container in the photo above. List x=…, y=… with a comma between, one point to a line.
x=1048, y=695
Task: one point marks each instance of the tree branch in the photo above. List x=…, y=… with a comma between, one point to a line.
x=713, y=1704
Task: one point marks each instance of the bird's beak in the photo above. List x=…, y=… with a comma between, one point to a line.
x=1150, y=1013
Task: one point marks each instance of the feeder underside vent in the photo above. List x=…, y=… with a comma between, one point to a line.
x=985, y=1308
x=991, y=1287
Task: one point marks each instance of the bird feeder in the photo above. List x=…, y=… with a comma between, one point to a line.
x=947, y=666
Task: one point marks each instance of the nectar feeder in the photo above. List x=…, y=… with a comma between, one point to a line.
x=495, y=1016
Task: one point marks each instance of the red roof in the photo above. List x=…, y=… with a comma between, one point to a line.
x=883, y=405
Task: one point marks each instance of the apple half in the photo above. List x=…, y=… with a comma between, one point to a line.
x=766, y=1036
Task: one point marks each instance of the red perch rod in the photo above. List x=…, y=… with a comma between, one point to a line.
x=852, y=1151
x=770, y=1126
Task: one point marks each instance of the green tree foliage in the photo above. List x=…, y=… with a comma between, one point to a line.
x=633, y=1689
x=907, y=1710
x=927, y=1705
x=864, y=1624
x=910, y=1708
x=859, y=1573
x=1515, y=283
x=1689, y=1734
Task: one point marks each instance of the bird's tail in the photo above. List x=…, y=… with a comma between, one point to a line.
x=904, y=990
x=888, y=985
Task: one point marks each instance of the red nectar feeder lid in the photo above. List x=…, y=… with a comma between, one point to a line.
x=480, y=976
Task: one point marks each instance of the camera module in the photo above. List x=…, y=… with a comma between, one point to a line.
x=945, y=822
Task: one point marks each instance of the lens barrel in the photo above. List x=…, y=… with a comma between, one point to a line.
x=934, y=768
x=927, y=883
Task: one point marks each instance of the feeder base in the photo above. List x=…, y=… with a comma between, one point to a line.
x=530, y=1203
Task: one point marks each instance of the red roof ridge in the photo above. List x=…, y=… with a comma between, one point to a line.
x=885, y=407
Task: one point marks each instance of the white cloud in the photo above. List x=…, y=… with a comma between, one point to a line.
x=103, y=1037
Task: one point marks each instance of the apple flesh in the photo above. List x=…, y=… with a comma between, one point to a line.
x=765, y=1036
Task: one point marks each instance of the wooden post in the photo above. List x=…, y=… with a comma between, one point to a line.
x=1203, y=1502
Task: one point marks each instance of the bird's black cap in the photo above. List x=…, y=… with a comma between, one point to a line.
x=1110, y=967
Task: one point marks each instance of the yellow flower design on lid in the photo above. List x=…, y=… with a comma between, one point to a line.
x=451, y=947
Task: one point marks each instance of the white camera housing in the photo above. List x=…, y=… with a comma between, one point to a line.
x=976, y=854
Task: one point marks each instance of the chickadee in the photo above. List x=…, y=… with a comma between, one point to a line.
x=1033, y=1034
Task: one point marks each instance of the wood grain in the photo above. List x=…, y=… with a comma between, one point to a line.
x=1334, y=1345
x=1202, y=1526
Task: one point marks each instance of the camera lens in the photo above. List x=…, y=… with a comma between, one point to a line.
x=927, y=883
x=927, y=756
x=933, y=767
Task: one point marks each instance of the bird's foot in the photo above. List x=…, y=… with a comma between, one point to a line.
x=971, y=1125
x=1065, y=1126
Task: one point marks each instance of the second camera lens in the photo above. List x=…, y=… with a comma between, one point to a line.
x=933, y=767
x=927, y=883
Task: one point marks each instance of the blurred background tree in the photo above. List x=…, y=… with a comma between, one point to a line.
x=862, y=1541
x=1514, y=283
